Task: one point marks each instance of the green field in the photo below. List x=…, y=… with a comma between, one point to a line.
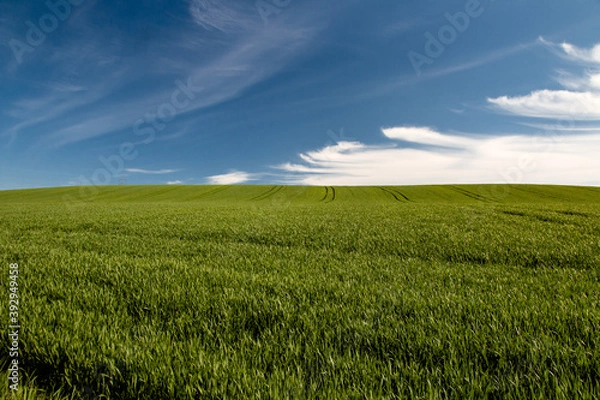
x=231, y=292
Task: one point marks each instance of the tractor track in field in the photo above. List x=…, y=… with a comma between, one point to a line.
x=394, y=194
x=326, y=194
x=384, y=190
x=401, y=194
x=472, y=195
x=535, y=192
x=329, y=190
x=214, y=191
x=268, y=193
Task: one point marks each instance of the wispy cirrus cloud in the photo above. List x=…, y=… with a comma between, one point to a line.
x=370, y=90
x=223, y=16
x=79, y=107
x=564, y=127
x=150, y=171
x=402, y=26
x=426, y=136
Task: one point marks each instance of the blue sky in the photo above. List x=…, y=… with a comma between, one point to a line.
x=299, y=92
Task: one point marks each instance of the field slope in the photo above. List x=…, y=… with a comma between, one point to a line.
x=307, y=194
x=183, y=292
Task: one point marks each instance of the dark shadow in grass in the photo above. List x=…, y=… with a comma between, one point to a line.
x=514, y=213
x=96, y=383
x=574, y=213
x=540, y=217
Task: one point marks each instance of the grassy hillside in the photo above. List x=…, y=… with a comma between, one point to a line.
x=307, y=292
x=309, y=194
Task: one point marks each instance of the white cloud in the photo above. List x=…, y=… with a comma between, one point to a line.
x=565, y=155
x=591, y=55
x=151, y=172
x=589, y=81
x=552, y=104
x=449, y=158
x=573, y=53
x=231, y=178
x=177, y=182
x=579, y=101
x=595, y=81
x=425, y=135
